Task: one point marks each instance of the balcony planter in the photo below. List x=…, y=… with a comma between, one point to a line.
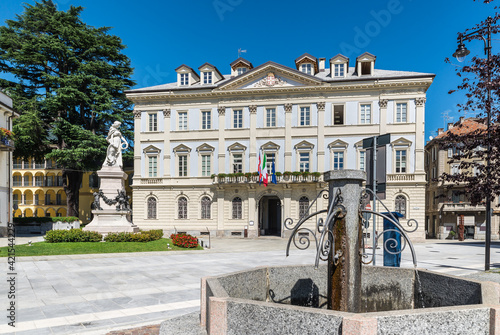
x=286, y=175
x=296, y=175
x=221, y=178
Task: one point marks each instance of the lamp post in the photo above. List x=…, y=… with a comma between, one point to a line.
x=460, y=54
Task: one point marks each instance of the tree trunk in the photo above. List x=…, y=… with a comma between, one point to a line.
x=71, y=183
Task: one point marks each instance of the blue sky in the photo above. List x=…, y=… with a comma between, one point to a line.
x=408, y=35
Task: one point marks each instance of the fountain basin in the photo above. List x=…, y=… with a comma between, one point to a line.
x=292, y=300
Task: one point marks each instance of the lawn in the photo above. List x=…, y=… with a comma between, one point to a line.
x=74, y=248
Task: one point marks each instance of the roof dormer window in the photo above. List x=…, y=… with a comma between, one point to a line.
x=240, y=66
x=339, y=70
x=209, y=74
x=339, y=66
x=365, y=64
x=207, y=77
x=186, y=76
x=306, y=68
x=241, y=70
x=184, y=79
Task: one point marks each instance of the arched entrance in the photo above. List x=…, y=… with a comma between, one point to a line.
x=270, y=216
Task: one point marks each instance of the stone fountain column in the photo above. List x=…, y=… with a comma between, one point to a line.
x=344, y=280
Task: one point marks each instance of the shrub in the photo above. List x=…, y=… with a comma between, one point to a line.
x=316, y=174
x=278, y=174
x=184, y=240
x=72, y=235
x=142, y=236
x=64, y=218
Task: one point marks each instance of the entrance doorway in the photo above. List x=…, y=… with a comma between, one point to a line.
x=270, y=216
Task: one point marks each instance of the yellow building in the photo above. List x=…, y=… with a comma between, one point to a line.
x=38, y=190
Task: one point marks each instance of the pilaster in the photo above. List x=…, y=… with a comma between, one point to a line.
x=166, y=143
x=253, y=138
x=321, y=136
x=382, y=104
x=419, y=134
x=137, y=146
x=220, y=211
x=222, y=145
x=288, y=137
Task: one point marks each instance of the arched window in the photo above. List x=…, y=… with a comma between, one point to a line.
x=182, y=206
x=303, y=207
x=400, y=205
x=94, y=180
x=237, y=208
x=205, y=207
x=151, y=208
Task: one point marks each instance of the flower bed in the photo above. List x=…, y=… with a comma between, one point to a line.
x=184, y=240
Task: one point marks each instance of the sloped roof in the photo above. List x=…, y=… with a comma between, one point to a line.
x=466, y=126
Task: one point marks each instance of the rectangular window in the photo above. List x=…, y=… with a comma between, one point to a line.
x=38, y=180
x=242, y=70
x=40, y=165
x=18, y=163
x=400, y=161
x=339, y=70
x=455, y=169
x=207, y=77
x=237, y=163
x=270, y=117
x=182, y=166
x=270, y=158
x=47, y=199
x=304, y=161
x=401, y=112
x=183, y=119
x=237, y=118
x=306, y=68
x=206, y=119
x=338, y=160
x=153, y=166
x=366, y=114
x=205, y=165
x=58, y=199
x=338, y=114
x=153, y=121
x=27, y=180
x=305, y=116
x=362, y=155
x=17, y=181
x=184, y=79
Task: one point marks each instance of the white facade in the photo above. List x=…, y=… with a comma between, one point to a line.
x=187, y=134
x=6, y=148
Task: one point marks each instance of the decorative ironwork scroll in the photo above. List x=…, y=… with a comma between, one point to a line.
x=391, y=243
x=324, y=228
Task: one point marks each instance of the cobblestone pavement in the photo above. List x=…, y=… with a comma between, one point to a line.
x=98, y=294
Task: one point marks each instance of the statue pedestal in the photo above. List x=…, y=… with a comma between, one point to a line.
x=109, y=219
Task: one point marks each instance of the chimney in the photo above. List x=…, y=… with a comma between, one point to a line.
x=321, y=62
x=461, y=119
x=450, y=125
x=440, y=131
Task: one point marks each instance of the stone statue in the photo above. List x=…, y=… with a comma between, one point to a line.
x=122, y=200
x=117, y=143
x=97, y=203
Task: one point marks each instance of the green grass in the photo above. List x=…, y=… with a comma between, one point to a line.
x=74, y=248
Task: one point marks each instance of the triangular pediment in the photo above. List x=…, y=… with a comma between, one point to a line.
x=270, y=75
x=205, y=147
x=151, y=149
x=236, y=147
x=401, y=142
x=182, y=148
x=304, y=145
x=270, y=146
x=338, y=144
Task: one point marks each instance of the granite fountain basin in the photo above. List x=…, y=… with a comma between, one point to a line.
x=292, y=300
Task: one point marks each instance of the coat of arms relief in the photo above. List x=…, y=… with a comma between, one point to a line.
x=270, y=81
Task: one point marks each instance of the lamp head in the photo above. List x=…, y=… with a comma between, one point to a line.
x=461, y=52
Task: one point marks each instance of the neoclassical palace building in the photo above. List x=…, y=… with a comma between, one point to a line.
x=198, y=142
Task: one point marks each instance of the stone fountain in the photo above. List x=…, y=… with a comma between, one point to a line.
x=111, y=216
x=344, y=296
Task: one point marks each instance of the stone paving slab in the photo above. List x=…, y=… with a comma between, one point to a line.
x=95, y=294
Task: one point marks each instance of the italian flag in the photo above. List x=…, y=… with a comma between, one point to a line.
x=263, y=173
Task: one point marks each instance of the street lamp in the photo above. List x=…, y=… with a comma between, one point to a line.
x=460, y=54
